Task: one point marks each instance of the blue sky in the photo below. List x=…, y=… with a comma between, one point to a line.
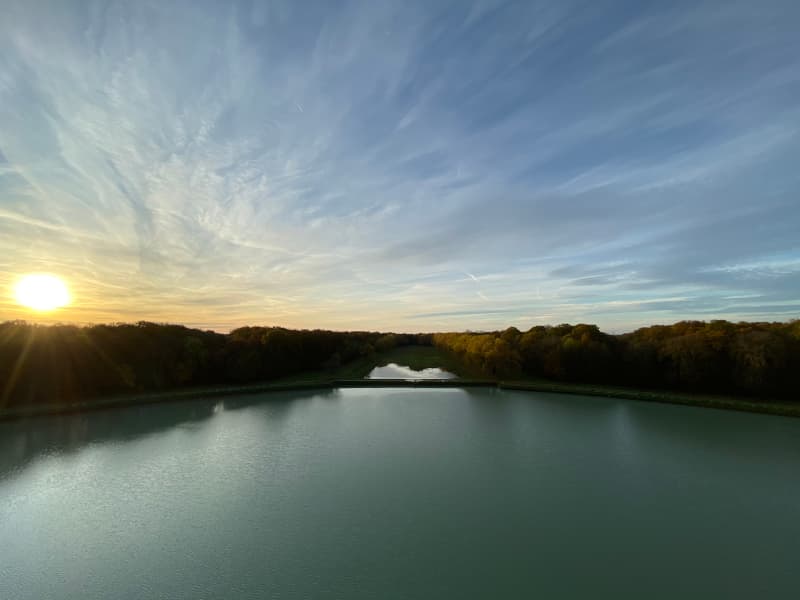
x=413, y=166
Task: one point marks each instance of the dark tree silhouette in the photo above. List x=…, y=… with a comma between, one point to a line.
x=62, y=363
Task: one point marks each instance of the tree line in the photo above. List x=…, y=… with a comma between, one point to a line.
x=753, y=359
x=63, y=363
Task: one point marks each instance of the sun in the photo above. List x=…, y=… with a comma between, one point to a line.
x=41, y=292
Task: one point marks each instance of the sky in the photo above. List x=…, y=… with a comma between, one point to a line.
x=406, y=166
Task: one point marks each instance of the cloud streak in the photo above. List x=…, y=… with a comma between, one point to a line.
x=266, y=163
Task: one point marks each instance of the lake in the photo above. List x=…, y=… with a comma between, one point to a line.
x=395, y=371
x=401, y=493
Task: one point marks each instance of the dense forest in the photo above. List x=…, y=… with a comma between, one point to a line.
x=61, y=364
x=753, y=359
x=64, y=363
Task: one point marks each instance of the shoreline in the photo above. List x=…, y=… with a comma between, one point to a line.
x=704, y=401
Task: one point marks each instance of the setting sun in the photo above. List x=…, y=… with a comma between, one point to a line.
x=41, y=292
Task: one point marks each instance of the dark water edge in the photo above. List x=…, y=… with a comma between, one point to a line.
x=183, y=395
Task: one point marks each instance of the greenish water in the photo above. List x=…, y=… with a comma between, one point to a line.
x=401, y=493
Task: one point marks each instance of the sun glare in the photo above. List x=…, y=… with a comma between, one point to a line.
x=41, y=292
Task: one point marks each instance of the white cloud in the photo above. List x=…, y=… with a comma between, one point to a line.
x=185, y=162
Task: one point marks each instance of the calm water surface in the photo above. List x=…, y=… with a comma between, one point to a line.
x=395, y=493
x=395, y=371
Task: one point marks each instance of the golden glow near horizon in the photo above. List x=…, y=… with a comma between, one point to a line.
x=41, y=292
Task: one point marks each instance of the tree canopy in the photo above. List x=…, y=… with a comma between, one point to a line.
x=64, y=363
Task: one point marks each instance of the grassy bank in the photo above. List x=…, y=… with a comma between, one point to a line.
x=415, y=357
x=704, y=400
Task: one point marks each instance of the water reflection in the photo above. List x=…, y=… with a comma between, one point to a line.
x=395, y=371
x=359, y=491
x=26, y=440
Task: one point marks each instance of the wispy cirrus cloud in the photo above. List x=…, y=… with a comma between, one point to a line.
x=263, y=162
